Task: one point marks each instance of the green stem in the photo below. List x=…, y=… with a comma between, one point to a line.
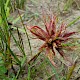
x=25, y=32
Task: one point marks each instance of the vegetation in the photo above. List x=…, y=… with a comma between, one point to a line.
x=17, y=20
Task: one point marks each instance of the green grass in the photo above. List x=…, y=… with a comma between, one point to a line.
x=69, y=4
x=8, y=56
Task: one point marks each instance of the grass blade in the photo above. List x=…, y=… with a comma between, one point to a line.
x=21, y=49
x=72, y=22
x=53, y=68
x=70, y=71
x=25, y=32
x=29, y=73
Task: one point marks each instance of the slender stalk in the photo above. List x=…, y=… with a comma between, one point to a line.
x=72, y=22
x=34, y=57
x=70, y=71
x=53, y=68
x=25, y=32
x=29, y=73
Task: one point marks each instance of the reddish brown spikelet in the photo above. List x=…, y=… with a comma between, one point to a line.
x=52, y=37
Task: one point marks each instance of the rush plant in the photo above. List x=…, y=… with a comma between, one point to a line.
x=53, y=37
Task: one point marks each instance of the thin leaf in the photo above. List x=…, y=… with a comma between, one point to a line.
x=21, y=49
x=68, y=34
x=70, y=71
x=40, y=33
x=29, y=73
x=53, y=68
x=15, y=57
x=25, y=32
x=72, y=22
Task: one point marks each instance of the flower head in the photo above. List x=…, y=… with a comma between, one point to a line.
x=52, y=37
